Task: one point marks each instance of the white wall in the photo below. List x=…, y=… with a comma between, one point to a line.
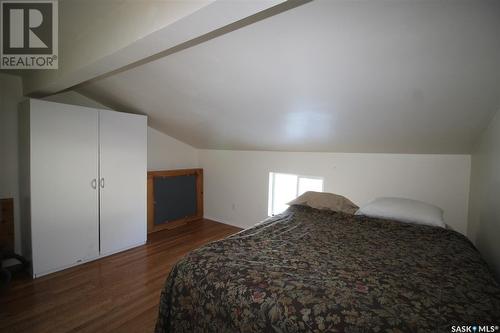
x=484, y=216
x=72, y=97
x=236, y=182
x=164, y=152
x=10, y=96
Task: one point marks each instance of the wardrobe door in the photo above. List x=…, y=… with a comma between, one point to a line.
x=123, y=176
x=64, y=194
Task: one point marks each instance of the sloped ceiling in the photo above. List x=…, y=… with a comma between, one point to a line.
x=342, y=76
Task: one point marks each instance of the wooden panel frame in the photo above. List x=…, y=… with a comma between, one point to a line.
x=151, y=202
x=7, y=224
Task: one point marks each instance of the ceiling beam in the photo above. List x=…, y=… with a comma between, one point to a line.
x=105, y=46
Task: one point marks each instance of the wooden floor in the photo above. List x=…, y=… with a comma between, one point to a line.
x=119, y=293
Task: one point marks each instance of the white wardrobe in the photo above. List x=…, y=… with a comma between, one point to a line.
x=83, y=183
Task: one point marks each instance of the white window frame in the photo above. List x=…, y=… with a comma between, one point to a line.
x=270, y=205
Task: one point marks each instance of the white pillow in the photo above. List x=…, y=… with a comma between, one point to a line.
x=404, y=210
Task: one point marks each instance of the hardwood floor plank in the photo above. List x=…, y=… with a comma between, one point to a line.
x=119, y=293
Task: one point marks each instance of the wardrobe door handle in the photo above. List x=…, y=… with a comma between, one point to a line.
x=102, y=182
x=93, y=183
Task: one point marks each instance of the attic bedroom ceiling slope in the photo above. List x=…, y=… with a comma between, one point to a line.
x=381, y=76
x=99, y=37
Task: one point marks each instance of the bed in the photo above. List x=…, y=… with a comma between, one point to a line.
x=310, y=270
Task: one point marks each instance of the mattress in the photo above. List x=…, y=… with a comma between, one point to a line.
x=310, y=270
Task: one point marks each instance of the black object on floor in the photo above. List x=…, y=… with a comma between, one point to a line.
x=10, y=263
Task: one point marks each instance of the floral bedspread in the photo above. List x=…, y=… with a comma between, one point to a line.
x=308, y=270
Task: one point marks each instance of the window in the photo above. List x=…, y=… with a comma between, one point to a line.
x=284, y=187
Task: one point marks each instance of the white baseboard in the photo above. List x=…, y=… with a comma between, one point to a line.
x=229, y=223
x=223, y=222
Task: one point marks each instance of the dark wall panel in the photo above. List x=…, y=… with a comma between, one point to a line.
x=175, y=198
